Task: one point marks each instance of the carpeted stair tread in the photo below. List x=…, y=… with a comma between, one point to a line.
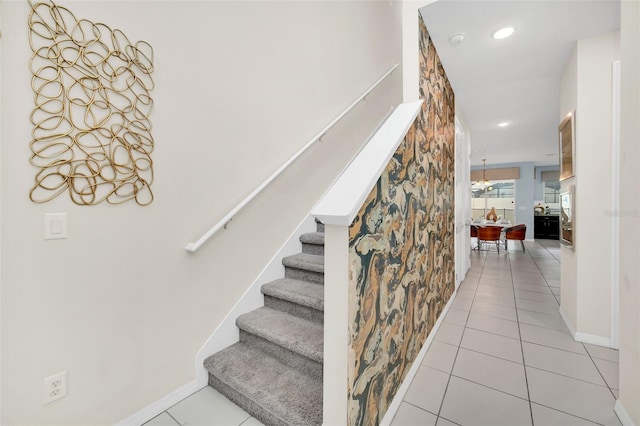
x=265, y=387
x=305, y=261
x=296, y=334
x=313, y=243
x=315, y=238
x=296, y=291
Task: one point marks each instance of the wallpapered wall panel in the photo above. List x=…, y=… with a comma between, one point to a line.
x=401, y=259
x=91, y=128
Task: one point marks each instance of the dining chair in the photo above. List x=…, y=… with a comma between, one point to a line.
x=489, y=234
x=474, y=234
x=517, y=232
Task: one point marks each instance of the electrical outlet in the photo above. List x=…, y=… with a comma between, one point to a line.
x=55, y=387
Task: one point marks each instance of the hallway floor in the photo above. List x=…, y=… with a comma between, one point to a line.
x=503, y=355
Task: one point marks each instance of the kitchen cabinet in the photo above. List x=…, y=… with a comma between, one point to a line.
x=546, y=227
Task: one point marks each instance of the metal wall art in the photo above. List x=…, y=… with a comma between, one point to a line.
x=91, y=127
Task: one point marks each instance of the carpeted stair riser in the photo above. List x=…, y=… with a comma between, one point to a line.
x=292, y=359
x=313, y=243
x=301, y=274
x=301, y=311
x=304, y=267
x=238, y=398
x=269, y=390
x=313, y=249
x=319, y=226
x=300, y=336
x=300, y=298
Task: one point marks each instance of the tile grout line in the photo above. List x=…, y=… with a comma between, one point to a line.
x=551, y=347
x=246, y=420
x=489, y=387
x=491, y=332
x=418, y=407
x=543, y=275
x=569, y=414
x=455, y=358
x=524, y=365
x=568, y=377
x=427, y=411
x=600, y=373
x=174, y=419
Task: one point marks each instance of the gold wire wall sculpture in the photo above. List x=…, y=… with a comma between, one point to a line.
x=91, y=129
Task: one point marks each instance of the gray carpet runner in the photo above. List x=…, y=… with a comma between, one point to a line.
x=275, y=371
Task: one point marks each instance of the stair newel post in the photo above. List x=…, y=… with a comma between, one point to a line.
x=336, y=324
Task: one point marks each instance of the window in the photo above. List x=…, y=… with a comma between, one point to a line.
x=499, y=194
x=551, y=192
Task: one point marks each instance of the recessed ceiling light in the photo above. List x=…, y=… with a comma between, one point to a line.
x=503, y=124
x=456, y=38
x=503, y=33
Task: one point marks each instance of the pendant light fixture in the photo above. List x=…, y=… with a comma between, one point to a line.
x=485, y=182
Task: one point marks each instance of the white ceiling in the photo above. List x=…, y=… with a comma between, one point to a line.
x=516, y=79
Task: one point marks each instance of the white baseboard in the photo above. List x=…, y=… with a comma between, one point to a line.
x=404, y=387
x=593, y=339
x=152, y=410
x=584, y=337
x=227, y=332
x=568, y=323
x=623, y=414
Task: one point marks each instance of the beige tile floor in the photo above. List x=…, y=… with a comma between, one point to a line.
x=504, y=356
x=206, y=407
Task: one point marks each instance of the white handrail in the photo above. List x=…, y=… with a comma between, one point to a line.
x=341, y=203
x=192, y=247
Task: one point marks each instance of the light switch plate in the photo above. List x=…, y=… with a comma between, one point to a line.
x=55, y=226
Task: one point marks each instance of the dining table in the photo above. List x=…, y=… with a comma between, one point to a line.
x=491, y=223
x=499, y=224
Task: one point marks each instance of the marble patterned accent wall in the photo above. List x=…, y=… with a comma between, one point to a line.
x=401, y=259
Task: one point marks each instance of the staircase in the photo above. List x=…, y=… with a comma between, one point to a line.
x=275, y=371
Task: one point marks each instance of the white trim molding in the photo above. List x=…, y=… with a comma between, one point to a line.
x=592, y=339
x=615, y=203
x=568, y=323
x=336, y=317
x=623, y=414
x=584, y=337
x=157, y=407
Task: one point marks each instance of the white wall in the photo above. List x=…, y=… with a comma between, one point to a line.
x=593, y=166
x=410, y=48
x=586, y=272
x=568, y=257
x=463, y=205
x=240, y=86
x=630, y=212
